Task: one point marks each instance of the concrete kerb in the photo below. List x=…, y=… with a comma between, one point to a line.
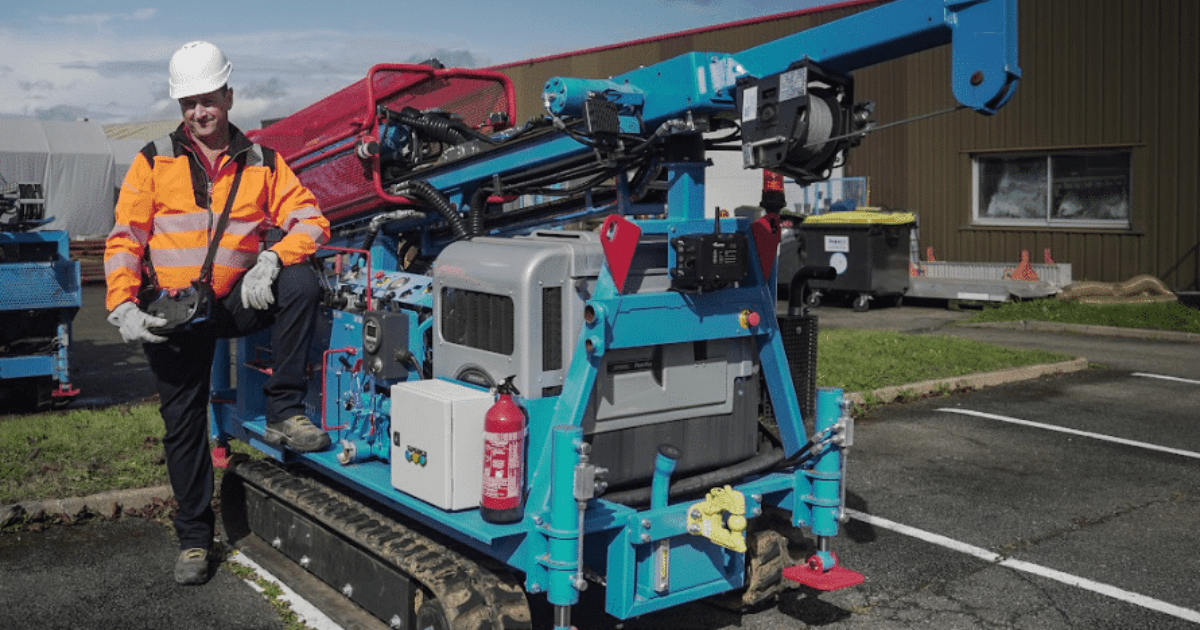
x=104, y=503
x=1104, y=331
x=970, y=381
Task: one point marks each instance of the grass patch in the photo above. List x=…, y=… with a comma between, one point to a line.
x=1172, y=316
x=865, y=360
x=80, y=452
x=63, y=454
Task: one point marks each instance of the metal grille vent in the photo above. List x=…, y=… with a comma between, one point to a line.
x=478, y=320
x=799, y=336
x=41, y=284
x=552, y=347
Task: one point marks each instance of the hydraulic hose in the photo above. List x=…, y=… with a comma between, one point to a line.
x=427, y=193
x=442, y=128
x=377, y=222
x=646, y=174
x=478, y=205
x=763, y=461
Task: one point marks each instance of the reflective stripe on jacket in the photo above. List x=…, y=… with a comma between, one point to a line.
x=168, y=204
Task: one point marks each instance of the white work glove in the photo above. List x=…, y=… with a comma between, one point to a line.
x=256, y=284
x=134, y=324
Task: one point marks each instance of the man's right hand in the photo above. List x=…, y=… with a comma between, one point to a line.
x=134, y=324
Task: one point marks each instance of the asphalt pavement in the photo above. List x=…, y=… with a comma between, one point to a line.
x=116, y=574
x=106, y=370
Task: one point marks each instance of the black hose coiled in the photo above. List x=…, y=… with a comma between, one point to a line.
x=441, y=128
x=369, y=239
x=478, y=206
x=427, y=193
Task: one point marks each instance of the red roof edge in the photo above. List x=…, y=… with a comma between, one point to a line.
x=704, y=29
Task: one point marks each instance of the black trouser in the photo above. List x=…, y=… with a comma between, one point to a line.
x=182, y=367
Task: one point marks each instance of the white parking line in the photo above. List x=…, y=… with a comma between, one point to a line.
x=1167, y=378
x=1107, y=590
x=1088, y=434
x=307, y=613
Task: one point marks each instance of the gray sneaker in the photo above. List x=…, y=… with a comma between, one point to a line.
x=193, y=567
x=299, y=433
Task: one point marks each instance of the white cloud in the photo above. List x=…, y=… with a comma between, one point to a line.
x=103, y=76
x=111, y=66
x=99, y=19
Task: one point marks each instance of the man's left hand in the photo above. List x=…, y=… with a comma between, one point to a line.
x=256, y=285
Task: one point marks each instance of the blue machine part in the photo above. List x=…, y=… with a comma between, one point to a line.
x=595, y=315
x=39, y=273
x=825, y=496
x=393, y=142
x=42, y=293
x=985, y=69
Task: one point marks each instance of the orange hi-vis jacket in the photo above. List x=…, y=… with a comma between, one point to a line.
x=168, y=204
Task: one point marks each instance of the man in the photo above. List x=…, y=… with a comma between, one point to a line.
x=170, y=204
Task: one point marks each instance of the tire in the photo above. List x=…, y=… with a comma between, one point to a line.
x=862, y=303
x=812, y=299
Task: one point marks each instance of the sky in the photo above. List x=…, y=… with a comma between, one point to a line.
x=106, y=62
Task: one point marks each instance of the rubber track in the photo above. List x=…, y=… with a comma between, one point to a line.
x=768, y=553
x=473, y=597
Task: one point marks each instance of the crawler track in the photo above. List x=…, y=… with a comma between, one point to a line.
x=470, y=596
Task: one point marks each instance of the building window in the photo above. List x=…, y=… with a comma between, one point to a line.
x=1083, y=189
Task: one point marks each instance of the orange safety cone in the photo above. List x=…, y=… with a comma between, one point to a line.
x=1024, y=270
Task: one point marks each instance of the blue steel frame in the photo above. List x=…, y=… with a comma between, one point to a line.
x=544, y=545
x=52, y=286
x=618, y=540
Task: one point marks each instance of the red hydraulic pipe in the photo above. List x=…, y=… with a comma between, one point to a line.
x=311, y=154
x=366, y=254
x=510, y=93
x=377, y=182
x=510, y=96
x=350, y=350
x=368, y=123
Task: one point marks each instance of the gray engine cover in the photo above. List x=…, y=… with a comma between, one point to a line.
x=514, y=307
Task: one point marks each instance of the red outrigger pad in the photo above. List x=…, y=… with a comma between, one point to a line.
x=836, y=578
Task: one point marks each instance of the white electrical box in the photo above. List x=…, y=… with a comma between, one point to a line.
x=437, y=442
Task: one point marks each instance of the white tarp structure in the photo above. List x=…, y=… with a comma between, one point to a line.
x=123, y=151
x=74, y=163
x=127, y=139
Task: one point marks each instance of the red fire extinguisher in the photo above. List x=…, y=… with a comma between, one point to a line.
x=503, y=458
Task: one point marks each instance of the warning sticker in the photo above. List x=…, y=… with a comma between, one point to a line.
x=837, y=244
x=793, y=84
x=749, y=104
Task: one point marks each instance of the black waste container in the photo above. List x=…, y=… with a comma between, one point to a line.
x=869, y=250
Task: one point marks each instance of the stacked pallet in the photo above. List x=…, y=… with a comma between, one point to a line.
x=89, y=252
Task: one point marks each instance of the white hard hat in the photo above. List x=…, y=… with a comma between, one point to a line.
x=198, y=68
